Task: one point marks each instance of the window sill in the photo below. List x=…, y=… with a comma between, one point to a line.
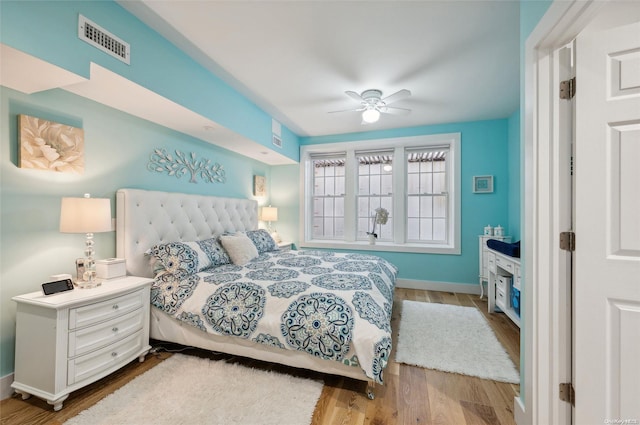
x=381, y=246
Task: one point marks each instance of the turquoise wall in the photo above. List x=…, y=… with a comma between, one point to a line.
x=531, y=11
x=48, y=30
x=484, y=147
x=513, y=159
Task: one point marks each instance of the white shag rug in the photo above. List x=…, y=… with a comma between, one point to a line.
x=191, y=390
x=452, y=338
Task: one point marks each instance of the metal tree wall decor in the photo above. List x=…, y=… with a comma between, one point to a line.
x=161, y=161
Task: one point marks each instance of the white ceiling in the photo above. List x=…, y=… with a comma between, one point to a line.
x=295, y=59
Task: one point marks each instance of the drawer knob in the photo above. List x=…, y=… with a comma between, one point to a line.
x=114, y=354
x=115, y=329
x=115, y=306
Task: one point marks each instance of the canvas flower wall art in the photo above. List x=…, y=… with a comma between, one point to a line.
x=48, y=145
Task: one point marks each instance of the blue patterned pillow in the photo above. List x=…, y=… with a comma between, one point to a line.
x=185, y=258
x=215, y=252
x=174, y=258
x=262, y=240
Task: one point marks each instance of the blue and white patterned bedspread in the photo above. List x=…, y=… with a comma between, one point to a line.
x=336, y=306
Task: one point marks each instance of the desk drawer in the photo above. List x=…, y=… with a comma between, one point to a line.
x=501, y=299
x=105, y=310
x=505, y=265
x=491, y=260
x=83, y=340
x=503, y=282
x=96, y=362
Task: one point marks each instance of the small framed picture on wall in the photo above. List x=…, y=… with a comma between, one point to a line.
x=259, y=185
x=482, y=184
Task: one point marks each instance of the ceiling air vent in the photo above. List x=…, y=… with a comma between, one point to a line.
x=102, y=39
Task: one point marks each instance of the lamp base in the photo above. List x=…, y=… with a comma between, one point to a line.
x=276, y=237
x=88, y=284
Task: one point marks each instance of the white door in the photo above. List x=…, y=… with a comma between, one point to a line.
x=607, y=226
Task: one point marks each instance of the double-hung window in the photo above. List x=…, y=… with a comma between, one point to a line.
x=427, y=195
x=328, y=193
x=415, y=179
x=375, y=190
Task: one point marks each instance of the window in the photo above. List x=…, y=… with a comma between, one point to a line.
x=328, y=196
x=375, y=190
x=416, y=179
x=427, y=196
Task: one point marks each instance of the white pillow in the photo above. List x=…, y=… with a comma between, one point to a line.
x=240, y=248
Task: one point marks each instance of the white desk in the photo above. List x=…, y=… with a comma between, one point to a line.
x=502, y=269
x=483, y=254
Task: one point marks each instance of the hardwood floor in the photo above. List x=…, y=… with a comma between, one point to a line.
x=410, y=395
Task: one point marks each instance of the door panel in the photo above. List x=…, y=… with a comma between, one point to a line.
x=607, y=190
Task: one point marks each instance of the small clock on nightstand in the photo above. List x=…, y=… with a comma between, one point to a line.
x=285, y=246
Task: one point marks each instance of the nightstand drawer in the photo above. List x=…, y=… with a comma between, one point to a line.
x=113, y=356
x=105, y=310
x=83, y=340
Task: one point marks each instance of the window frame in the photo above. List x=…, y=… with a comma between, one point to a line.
x=399, y=202
x=336, y=155
x=358, y=196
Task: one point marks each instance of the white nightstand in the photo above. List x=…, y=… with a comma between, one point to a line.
x=71, y=339
x=285, y=246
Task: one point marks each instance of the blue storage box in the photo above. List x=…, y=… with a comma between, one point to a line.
x=515, y=300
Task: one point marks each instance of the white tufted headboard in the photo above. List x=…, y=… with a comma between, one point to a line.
x=146, y=218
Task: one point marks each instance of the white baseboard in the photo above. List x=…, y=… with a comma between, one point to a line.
x=519, y=413
x=5, y=386
x=427, y=285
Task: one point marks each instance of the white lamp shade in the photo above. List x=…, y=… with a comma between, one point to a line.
x=85, y=215
x=269, y=214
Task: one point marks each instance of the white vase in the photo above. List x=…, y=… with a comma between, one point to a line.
x=372, y=240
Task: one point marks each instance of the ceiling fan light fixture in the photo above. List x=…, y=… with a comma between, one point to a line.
x=370, y=115
x=372, y=105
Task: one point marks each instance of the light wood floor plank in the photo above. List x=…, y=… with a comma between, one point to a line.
x=410, y=395
x=413, y=396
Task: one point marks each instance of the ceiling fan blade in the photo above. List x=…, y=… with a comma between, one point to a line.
x=347, y=110
x=355, y=96
x=399, y=95
x=395, y=111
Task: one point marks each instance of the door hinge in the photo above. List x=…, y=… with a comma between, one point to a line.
x=568, y=241
x=567, y=393
x=568, y=88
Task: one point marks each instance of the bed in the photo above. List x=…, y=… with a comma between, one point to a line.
x=325, y=311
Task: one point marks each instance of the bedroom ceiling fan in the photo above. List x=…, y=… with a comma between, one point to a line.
x=372, y=104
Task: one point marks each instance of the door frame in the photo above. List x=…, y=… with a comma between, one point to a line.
x=543, y=199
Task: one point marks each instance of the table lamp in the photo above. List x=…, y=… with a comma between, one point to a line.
x=270, y=214
x=86, y=215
